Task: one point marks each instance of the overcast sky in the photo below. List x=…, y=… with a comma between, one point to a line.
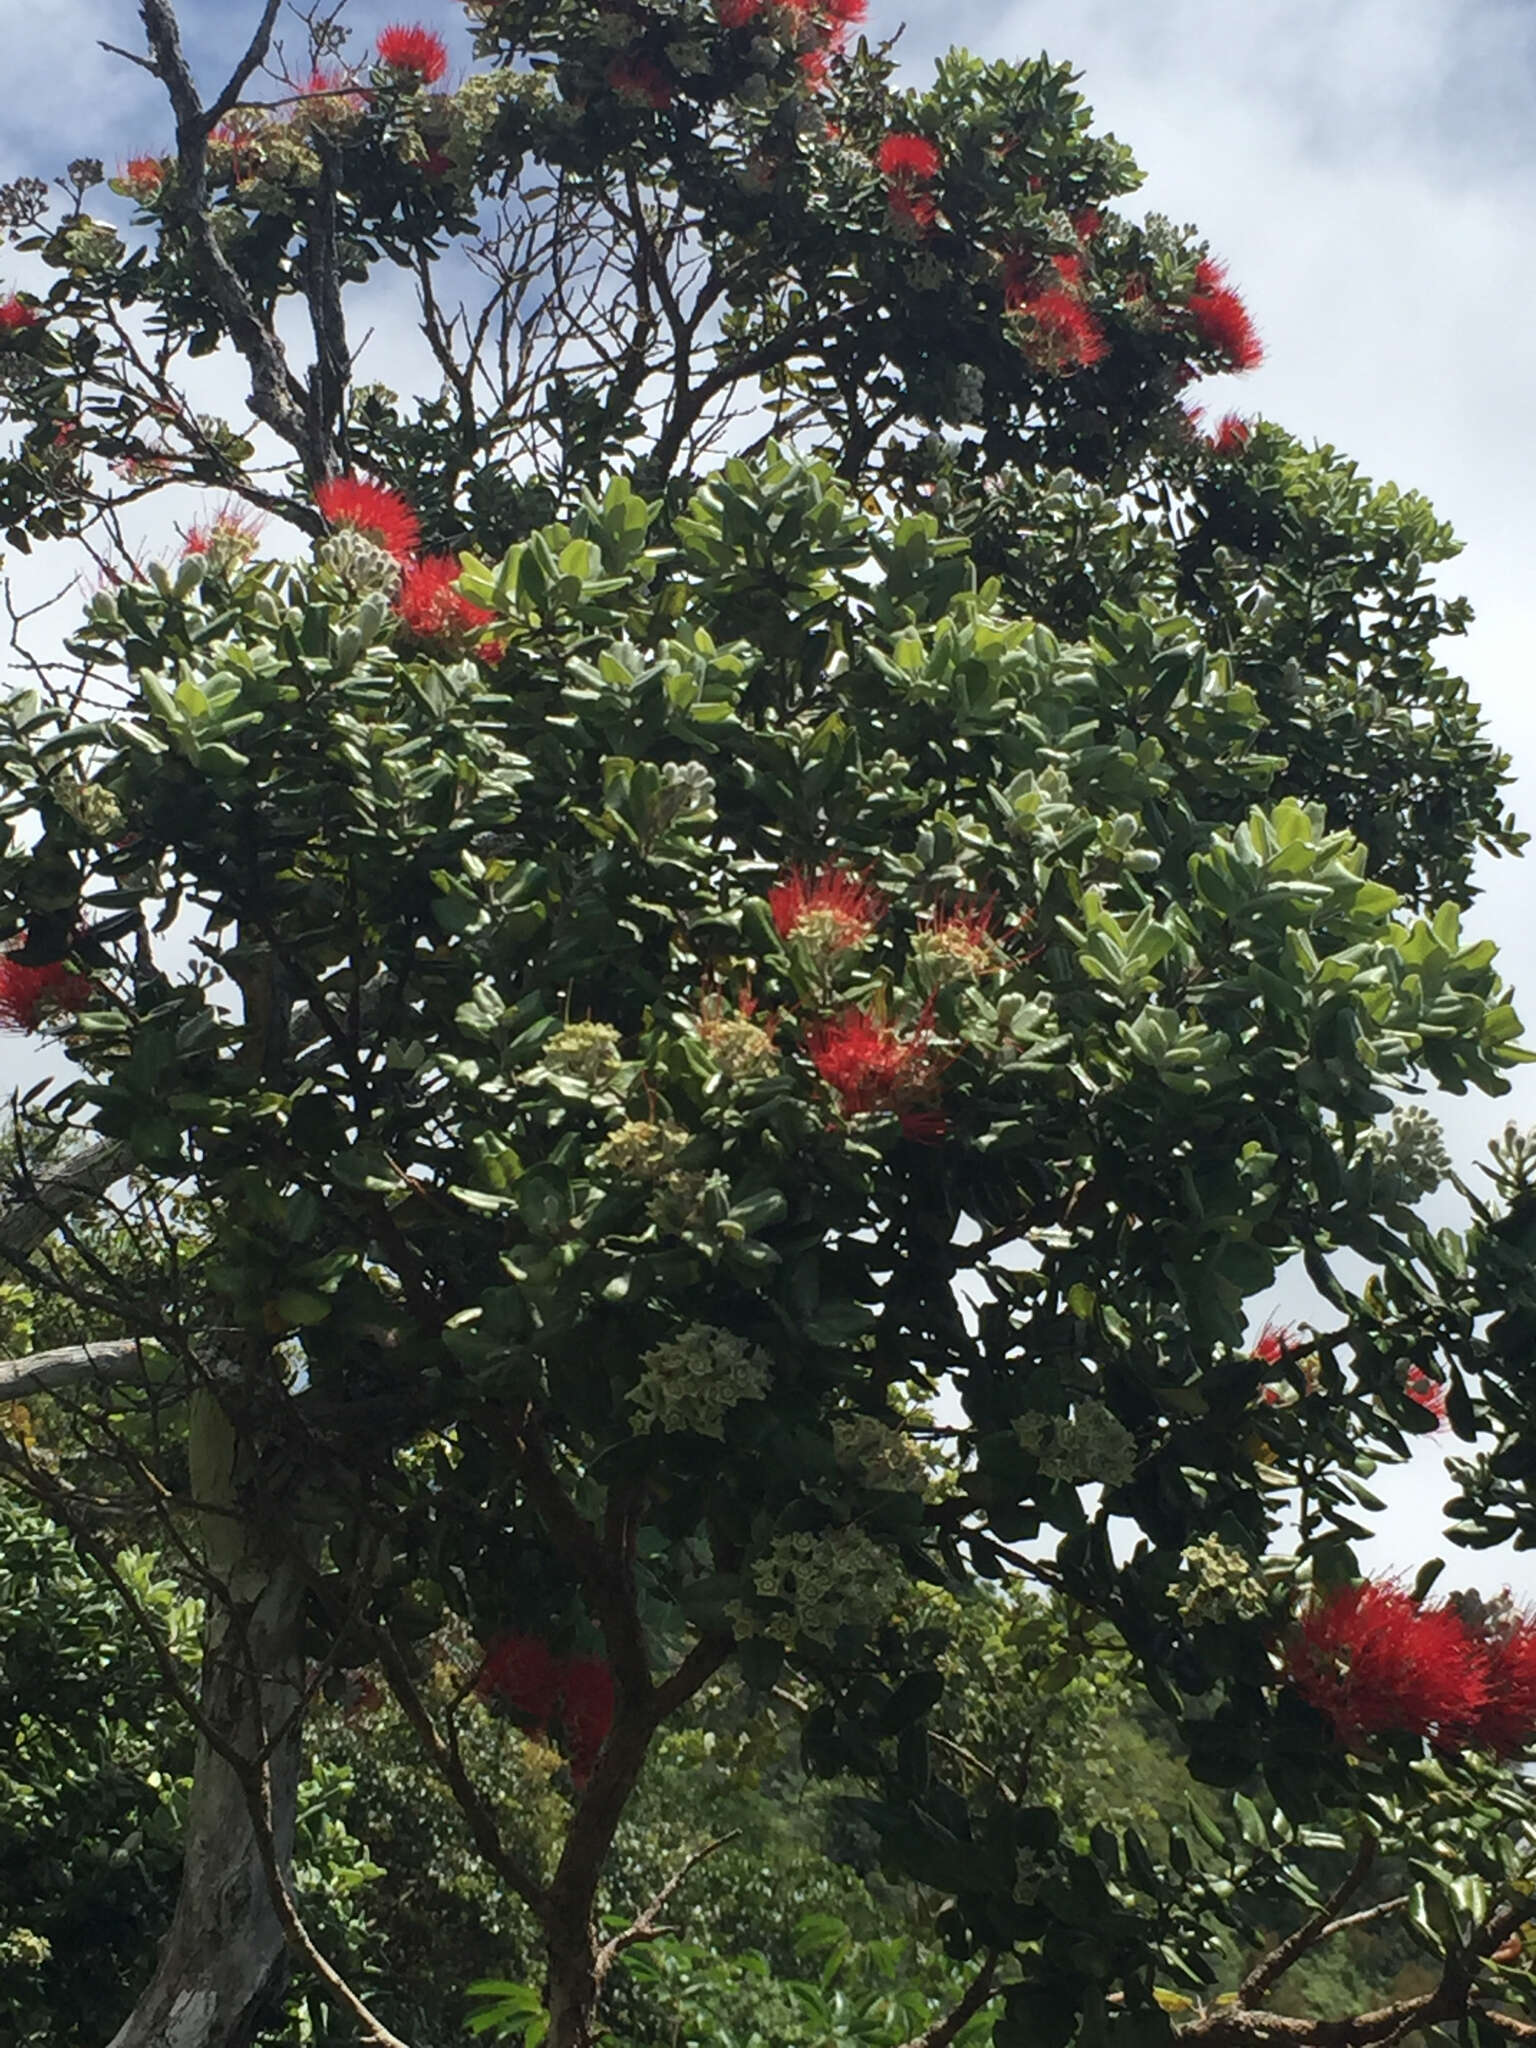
x=1368, y=170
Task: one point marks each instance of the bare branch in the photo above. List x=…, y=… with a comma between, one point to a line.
x=1269, y=1969
x=372, y=2030
x=277, y=396
x=449, y=1766
x=644, y=1926
x=45, y=1203
x=108, y=1363
x=255, y=56
x=945, y=2030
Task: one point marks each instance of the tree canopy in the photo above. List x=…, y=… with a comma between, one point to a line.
x=703, y=1004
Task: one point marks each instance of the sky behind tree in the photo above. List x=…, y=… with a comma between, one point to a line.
x=1367, y=168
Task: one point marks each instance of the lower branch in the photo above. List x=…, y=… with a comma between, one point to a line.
x=1268, y=1971
x=43, y=1372
x=945, y=2030
x=646, y=1925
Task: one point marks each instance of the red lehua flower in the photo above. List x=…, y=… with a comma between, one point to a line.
x=435, y=164
x=737, y=13
x=959, y=941
x=29, y=996
x=908, y=157
x=847, y=13
x=841, y=909
x=1221, y=319
x=373, y=510
x=1087, y=222
x=1428, y=1393
x=492, y=652
x=1273, y=1342
x=525, y=1672
x=144, y=175
x=1060, y=333
x=240, y=146
x=15, y=314
x=1377, y=1664
x=815, y=69
x=912, y=209
x=1507, y=1719
x=871, y=1066
x=586, y=1712
x=1071, y=270
x=430, y=605
x=414, y=48
x=1232, y=435
x=232, y=528
x=639, y=80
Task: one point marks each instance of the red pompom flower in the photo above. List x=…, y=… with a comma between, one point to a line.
x=1507, y=1719
x=1221, y=319
x=16, y=314
x=833, y=909
x=586, y=1712
x=1427, y=1392
x=524, y=1672
x=738, y=13
x=144, y=176
x=640, y=81
x=575, y=1695
x=1273, y=1342
x=373, y=510
x=871, y=1066
x=233, y=532
x=908, y=157
x=414, y=48
x=431, y=606
x=29, y=996
x=1377, y=1663
x=1058, y=331
x=1232, y=435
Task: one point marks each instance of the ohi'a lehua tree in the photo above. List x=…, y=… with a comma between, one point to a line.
x=719, y=1004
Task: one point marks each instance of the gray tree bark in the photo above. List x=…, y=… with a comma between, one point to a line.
x=224, y=1962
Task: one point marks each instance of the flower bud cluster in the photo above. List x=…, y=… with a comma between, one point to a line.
x=822, y=1581
x=881, y=1457
x=692, y=1382
x=642, y=1150
x=1090, y=1444
x=361, y=563
x=1410, y=1151
x=588, y=1052
x=1218, y=1583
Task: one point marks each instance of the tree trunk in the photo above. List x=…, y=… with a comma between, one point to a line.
x=223, y=1964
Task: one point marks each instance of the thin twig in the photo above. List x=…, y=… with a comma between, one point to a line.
x=1269, y=1969
x=644, y=1925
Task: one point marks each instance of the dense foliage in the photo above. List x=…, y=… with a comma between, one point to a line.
x=713, y=1012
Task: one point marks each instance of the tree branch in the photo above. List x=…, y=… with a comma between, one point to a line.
x=943, y=2031
x=108, y=1363
x=45, y=1203
x=372, y=2030
x=643, y=1927
x=1268, y=1971
x=449, y=1766
x=277, y=396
